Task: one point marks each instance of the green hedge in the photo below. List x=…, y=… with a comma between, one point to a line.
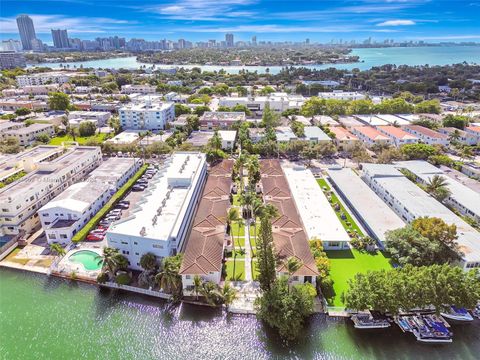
x=82, y=234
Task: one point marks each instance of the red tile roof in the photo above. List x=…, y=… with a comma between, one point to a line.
x=426, y=131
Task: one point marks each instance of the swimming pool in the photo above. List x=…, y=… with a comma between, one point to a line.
x=89, y=259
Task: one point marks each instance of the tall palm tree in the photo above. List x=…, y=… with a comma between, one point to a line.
x=228, y=294
x=197, y=284
x=437, y=186
x=109, y=259
x=269, y=212
x=232, y=217
x=466, y=153
x=168, y=278
x=257, y=208
x=292, y=265
x=246, y=200
x=57, y=249
x=148, y=261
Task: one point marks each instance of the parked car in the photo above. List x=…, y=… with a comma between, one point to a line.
x=121, y=206
x=105, y=222
x=124, y=202
x=115, y=212
x=112, y=217
x=98, y=232
x=95, y=237
x=137, y=188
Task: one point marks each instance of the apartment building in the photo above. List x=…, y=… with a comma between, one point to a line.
x=315, y=135
x=11, y=60
x=344, y=139
x=21, y=199
x=68, y=212
x=146, y=115
x=371, y=136
x=220, y=120
x=40, y=89
x=341, y=95
x=289, y=236
x=28, y=134
x=461, y=198
x=160, y=221
x=204, y=249
x=475, y=131
x=410, y=202
x=138, y=89
x=52, y=77
x=6, y=126
x=461, y=136
x=427, y=135
x=15, y=104
x=319, y=219
x=398, y=136
x=100, y=117
x=277, y=101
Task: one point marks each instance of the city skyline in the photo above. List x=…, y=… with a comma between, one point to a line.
x=432, y=21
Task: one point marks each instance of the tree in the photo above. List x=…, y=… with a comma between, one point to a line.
x=200, y=110
x=112, y=260
x=428, y=107
x=148, y=261
x=266, y=261
x=418, y=151
x=270, y=119
x=292, y=265
x=232, y=217
x=437, y=186
x=466, y=153
x=181, y=109
x=57, y=249
x=413, y=287
x=435, y=229
x=197, y=283
x=228, y=294
x=22, y=111
x=169, y=278
x=456, y=121
x=286, y=310
x=43, y=138
x=87, y=128
x=360, y=154
x=58, y=101
x=298, y=128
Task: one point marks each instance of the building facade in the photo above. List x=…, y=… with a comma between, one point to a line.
x=146, y=115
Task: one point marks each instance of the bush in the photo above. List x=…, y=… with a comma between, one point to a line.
x=123, y=278
x=102, y=278
x=87, y=128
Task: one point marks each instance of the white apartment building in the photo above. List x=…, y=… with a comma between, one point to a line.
x=146, y=115
x=68, y=213
x=101, y=117
x=228, y=138
x=6, y=126
x=316, y=135
x=160, y=221
x=427, y=135
x=475, y=131
x=278, y=102
x=344, y=139
x=28, y=134
x=410, y=202
x=462, y=198
x=40, y=89
x=398, y=136
x=138, y=89
x=371, y=136
x=464, y=138
x=318, y=217
x=53, y=77
x=342, y=95
x=21, y=199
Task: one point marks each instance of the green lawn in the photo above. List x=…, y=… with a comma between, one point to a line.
x=238, y=229
x=353, y=225
x=346, y=263
x=235, y=270
x=81, y=140
x=236, y=200
x=252, y=228
x=254, y=270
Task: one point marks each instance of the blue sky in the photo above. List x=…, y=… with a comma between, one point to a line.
x=319, y=20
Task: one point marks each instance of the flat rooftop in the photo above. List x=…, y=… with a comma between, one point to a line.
x=112, y=168
x=459, y=192
x=393, y=119
x=314, y=132
x=371, y=120
x=376, y=215
x=199, y=138
x=153, y=218
x=419, y=203
x=349, y=121
x=229, y=116
x=29, y=129
x=318, y=217
x=146, y=106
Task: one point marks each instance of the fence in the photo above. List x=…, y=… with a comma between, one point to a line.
x=138, y=290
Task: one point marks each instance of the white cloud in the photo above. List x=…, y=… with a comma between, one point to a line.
x=44, y=23
x=272, y=28
x=397, y=23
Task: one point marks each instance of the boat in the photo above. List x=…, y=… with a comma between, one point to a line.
x=370, y=320
x=457, y=314
x=427, y=328
x=476, y=311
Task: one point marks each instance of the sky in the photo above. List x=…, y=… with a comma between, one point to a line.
x=280, y=20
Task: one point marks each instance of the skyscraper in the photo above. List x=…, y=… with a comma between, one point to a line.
x=254, y=40
x=229, y=40
x=60, y=39
x=26, y=30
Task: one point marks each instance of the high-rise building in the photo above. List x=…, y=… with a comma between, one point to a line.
x=11, y=59
x=26, y=30
x=229, y=40
x=60, y=39
x=254, y=40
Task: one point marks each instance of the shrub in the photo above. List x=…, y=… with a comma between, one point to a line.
x=123, y=278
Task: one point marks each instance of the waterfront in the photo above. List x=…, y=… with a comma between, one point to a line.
x=369, y=57
x=50, y=318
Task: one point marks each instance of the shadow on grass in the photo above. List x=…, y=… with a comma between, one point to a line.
x=339, y=254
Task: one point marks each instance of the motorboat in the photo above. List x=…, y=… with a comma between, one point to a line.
x=458, y=314
x=428, y=328
x=370, y=320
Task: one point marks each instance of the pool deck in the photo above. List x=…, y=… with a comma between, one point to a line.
x=65, y=267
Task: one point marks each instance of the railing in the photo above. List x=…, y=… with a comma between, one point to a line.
x=138, y=290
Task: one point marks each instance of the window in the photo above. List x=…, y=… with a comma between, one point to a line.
x=188, y=277
x=63, y=236
x=52, y=236
x=158, y=246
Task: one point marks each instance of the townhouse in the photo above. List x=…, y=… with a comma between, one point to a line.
x=344, y=139
x=427, y=135
x=371, y=136
x=461, y=136
x=398, y=136
x=28, y=134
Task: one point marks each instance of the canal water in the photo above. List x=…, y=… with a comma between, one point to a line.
x=49, y=318
x=432, y=55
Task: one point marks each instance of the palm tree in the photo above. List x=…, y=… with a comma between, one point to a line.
x=232, y=217
x=466, y=153
x=454, y=136
x=168, y=278
x=257, y=208
x=246, y=200
x=57, y=249
x=437, y=186
x=148, y=261
x=109, y=259
x=269, y=212
x=228, y=294
x=292, y=265
x=197, y=284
